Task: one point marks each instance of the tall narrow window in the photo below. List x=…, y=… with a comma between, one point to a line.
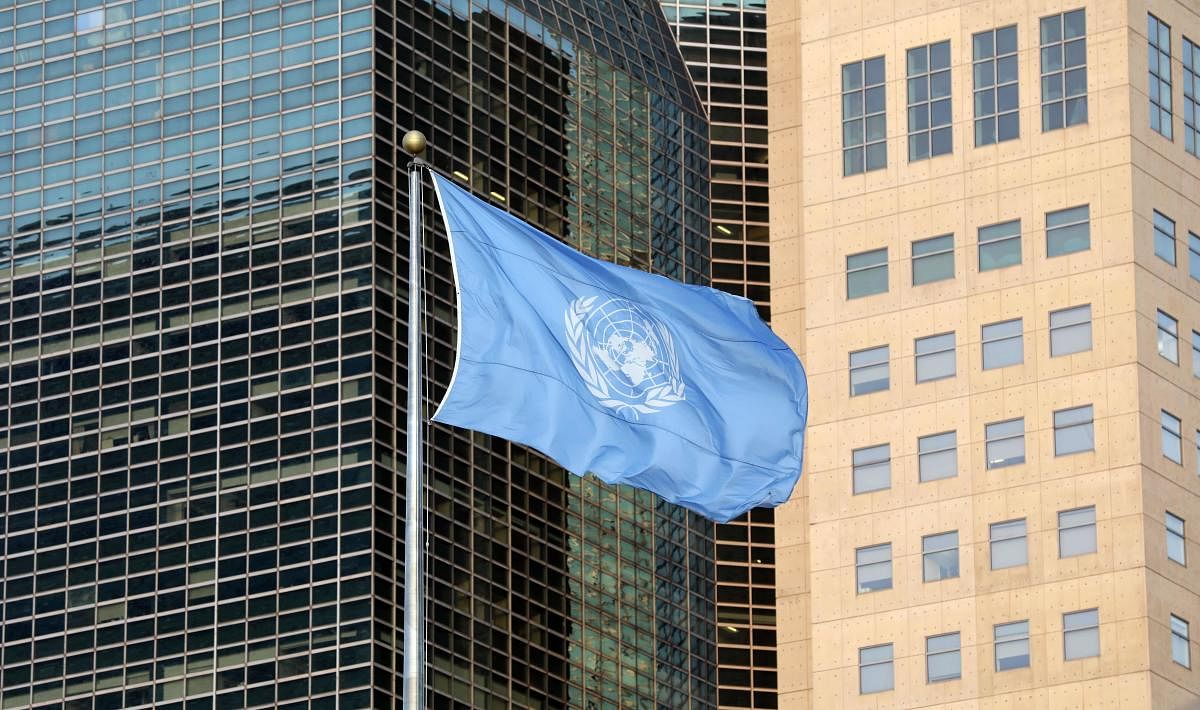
x=1071, y=330
x=1195, y=354
x=1191, y=97
x=875, y=669
x=1180, y=651
x=1002, y=344
x=869, y=371
x=1081, y=634
x=1012, y=645
x=1077, y=531
x=997, y=104
x=1064, y=70
x=1005, y=443
x=1172, y=439
x=872, y=468
x=1068, y=231
x=866, y=273
x=933, y=259
x=873, y=567
x=1073, y=431
x=938, y=456
x=1158, y=33
x=939, y=555
x=1164, y=237
x=1168, y=337
x=935, y=357
x=943, y=657
x=864, y=116
x=1007, y=542
x=1176, y=547
x=1194, y=253
x=1000, y=245
x=929, y=114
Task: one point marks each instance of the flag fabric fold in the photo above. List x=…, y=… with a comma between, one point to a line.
x=638, y=379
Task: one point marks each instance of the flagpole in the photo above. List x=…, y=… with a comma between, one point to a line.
x=414, y=510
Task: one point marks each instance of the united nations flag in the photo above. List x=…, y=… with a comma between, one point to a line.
x=638, y=379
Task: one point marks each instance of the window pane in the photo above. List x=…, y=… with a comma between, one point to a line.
x=1172, y=442
x=873, y=568
x=1073, y=431
x=933, y=259
x=938, y=457
x=872, y=468
x=1068, y=231
x=1176, y=547
x=1164, y=237
x=1084, y=643
x=1008, y=544
x=944, y=666
x=1002, y=344
x=1070, y=330
x=869, y=371
x=1012, y=645
x=1168, y=337
x=935, y=357
x=1005, y=443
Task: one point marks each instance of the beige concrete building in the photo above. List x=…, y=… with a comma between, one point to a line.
x=984, y=245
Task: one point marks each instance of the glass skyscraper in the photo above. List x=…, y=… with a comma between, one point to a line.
x=202, y=355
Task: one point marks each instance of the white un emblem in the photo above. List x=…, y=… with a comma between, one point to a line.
x=625, y=357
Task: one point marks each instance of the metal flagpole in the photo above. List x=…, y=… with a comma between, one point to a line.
x=414, y=528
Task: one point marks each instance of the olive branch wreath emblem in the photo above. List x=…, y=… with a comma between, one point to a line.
x=654, y=400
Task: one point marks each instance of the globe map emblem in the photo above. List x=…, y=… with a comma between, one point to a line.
x=629, y=347
x=624, y=356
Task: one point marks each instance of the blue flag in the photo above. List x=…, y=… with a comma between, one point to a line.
x=638, y=379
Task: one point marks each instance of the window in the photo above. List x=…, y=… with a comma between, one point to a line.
x=994, y=56
x=1000, y=245
x=89, y=20
x=935, y=357
x=1012, y=645
x=1176, y=549
x=1007, y=541
x=1073, y=431
x=1077, y=531
x=1005, y=443
x=1172, y=439
x=1180, y=653
x=933, y=259
x=866, y=273
x=937, y=456
x=1064, y=70
x=1071, y=330
x=1158, y=33
x=929, y=114
x=940, y=556
x=875, y=669
x=1002, y=344
x=872, y=468
x=869, y=371
x=1195, y=354
x=1191, y=97
x=873, y=568
x=1168, y=337
x=1194, y=252
x=943, y=660
x=1081, y=634
x=1164, y=237
x=864, y=117
x=1068, y=231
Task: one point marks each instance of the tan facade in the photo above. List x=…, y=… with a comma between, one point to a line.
x=1122, y=474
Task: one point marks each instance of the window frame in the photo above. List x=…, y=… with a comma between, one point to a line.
x=863, y=117
x=1081, y=627
x=989, y=342
x=1063, y=231
x=1067, y=421
x=860, y=565
x=979, y=67
x=1191, y=97
x=1170, y=523
x=928, y=554
x=854, y=271
x=924, y=455
x=1163, y=238
x=1068, y=322
x=1065, y=528
x=993, y=434
x=1016, y=636
x=880, y=456
x=953, y=651
x=1167, y=332
x=885, y=350
x=1172, y=426
x=1158, y=80
x=926, y=135
x=935, y=341
x=1176, y=636
x=993, y=541
x=889, y=662
x=1063, y=70
x=998, y=238
x=925, y=258
x=1195, y=354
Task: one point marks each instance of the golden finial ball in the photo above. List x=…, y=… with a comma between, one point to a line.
x=414, y=142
